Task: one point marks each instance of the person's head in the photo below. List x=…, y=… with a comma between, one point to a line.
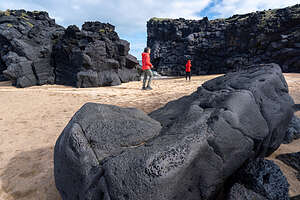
x=147, y=50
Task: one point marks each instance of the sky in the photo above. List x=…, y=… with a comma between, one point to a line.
x=130, y=16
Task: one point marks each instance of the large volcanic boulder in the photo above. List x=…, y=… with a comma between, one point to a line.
x=26, y=40
x=223, y=45
x=93, y=56
x=187, y=150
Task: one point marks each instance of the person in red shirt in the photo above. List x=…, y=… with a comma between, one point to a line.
x=188, y=70
x=147, y=66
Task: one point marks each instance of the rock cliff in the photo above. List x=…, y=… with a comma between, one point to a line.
x=223, y=45
x=34, y=50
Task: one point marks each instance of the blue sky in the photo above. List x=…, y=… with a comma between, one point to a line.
x=130, y=16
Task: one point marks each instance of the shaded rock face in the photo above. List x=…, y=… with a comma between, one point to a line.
x=36, y=51
x=239, y=192
x=94, y=56
x=262, y=178
x=292, y=160
x=186, y=150
x=223, y=45
x=26, y=40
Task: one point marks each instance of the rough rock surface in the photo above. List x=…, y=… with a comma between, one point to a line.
x=94, y=56
x=36, y=51
x=293, y=131
x=26, y=40
x=265, y=178
x=292, y=160
x=186, y=151
x=239, y=192
x=223, y=45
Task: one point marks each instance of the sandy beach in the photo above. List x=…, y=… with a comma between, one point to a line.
x=31, y=119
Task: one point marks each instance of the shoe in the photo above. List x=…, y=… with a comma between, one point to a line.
x=148, y=88
x=143, y=88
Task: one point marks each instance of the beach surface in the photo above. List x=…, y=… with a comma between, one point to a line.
x=31, y=119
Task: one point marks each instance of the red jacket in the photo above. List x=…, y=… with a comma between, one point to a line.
x=188, y=66
x=146, y=61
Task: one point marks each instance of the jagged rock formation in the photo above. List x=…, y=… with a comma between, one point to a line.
x=186, y=150
x=260, y=179
x=94, y=56
x=26, y=40
x=34, y=50
x=223, y=45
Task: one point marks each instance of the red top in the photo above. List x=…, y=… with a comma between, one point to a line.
x=188, y=66
x=146, y=61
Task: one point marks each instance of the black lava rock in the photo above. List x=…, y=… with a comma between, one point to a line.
x=26, y=40
x=36, y=51
x=223, y=45
x=186, y=150
x=293, y=131
x=265, y=178
x=239, y=192
x=92, y=57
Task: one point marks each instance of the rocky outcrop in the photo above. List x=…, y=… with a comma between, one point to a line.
x=186, y=150
x=36, y=51
x=94, y=56
x=223, y=45
x=26, y=40
x=260, y=179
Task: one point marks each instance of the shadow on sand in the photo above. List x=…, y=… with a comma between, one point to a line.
x=29, y=175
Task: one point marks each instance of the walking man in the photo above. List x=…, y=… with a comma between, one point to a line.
x=188, y=70
x=147, y=68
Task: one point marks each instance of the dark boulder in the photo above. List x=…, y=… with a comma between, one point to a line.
x=293, y=131
x=92, y=57
x=96, y=134
x=223, y=45
x=292, y=160
x=26, y=40
x=187, y=150
x=263, y=177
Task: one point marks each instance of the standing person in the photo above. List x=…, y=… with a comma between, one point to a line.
x=147, y=68
x=188, y=70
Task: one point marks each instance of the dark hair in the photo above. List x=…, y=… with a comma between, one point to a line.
x=146, y=50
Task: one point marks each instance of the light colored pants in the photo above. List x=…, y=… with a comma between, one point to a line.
x=147, y=73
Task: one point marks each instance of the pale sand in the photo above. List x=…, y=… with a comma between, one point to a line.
x=31, y=119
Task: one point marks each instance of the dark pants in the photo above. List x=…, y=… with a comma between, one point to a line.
x=147, y=73
x=188, y=74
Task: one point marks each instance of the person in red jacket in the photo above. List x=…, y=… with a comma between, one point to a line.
x=147, y=66
x=188, y=70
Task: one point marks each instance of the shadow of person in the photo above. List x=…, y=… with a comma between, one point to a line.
x=29, y=175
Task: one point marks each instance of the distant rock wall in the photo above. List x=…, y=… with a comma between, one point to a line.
x=34, y=50
x=223, y=45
